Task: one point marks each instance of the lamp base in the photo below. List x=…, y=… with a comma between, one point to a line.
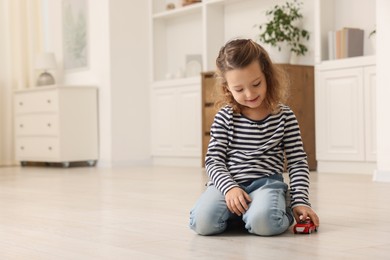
x=45, y=79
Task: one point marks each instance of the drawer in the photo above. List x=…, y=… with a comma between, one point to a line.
x=208, y=117
x=33, y=102
x=39, y=148
x=45, y=124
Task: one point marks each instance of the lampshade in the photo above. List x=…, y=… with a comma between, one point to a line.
x=45, y=61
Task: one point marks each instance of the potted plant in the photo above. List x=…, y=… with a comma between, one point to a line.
x=282, y=28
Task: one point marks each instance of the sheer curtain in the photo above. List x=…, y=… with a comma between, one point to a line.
x=20, y=40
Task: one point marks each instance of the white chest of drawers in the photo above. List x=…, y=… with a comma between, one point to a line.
x=56, y=124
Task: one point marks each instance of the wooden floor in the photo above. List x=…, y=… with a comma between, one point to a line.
x=142, y=213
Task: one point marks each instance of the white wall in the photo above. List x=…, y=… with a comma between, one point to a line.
x=6, y=149
x=383, y=91
x=129, y=61
x=118, y=68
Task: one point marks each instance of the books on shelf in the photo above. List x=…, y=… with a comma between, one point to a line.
x=345, y=43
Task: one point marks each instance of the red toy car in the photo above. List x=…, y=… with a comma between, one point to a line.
x=305, y=227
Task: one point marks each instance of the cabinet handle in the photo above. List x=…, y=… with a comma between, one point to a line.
x=48, y=101
x=21, y=125
x=20, y=103
x=50, y=148
x=22, y=148
x=48, y=125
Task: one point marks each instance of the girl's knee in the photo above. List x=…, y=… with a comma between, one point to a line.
x=206, y=225
x=267, y=223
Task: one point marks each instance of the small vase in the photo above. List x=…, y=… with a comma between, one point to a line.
x=294, y=58
x=282, y=55
x=373, y=43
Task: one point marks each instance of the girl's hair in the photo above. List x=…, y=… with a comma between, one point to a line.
x=239, y=53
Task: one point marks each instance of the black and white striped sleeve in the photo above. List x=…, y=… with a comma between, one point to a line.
x=296, y=162
x=216, y=157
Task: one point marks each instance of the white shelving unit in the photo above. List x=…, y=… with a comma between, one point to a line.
x=198, y=29
x=345, y=91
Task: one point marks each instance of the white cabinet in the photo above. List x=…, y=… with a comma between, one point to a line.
x=176, y=124
x=185, y=41
x=345, y=91
x=56, y=124
x=370, y=112
x=346, y=116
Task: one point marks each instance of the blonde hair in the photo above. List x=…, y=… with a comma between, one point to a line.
x=239, y=53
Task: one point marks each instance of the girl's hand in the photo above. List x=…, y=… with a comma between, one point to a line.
x=304, y=212
x=237, y=200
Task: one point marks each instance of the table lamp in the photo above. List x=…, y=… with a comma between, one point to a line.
x=45, y=61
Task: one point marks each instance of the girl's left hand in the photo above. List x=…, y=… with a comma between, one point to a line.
x=304, y=212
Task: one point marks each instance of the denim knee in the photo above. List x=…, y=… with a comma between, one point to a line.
x=206, y=224
x=267, y=223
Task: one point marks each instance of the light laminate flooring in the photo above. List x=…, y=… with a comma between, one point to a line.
x=142, y=213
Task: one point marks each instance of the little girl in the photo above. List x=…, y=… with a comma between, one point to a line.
x=250, y=137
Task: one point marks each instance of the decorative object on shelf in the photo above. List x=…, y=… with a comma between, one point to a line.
x=168, y=75
x=190, y=2
x=193, y=65
x=179, y=73
x=45, y=61
x=170, y=6
x=345, y=43
x=283, y=27
x=372, y=37
x=193, y=69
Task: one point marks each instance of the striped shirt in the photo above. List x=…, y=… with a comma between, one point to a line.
x=242, y=150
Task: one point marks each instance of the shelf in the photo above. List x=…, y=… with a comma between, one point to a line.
x=180, y=11
x=176, y=82
x=332, y=15
x=348, y=62
x=215, y=2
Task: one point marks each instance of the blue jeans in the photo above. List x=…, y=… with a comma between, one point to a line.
x=267, y=215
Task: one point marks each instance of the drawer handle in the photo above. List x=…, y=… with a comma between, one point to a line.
x=22, y=148
x=48, y=101
x=50, y=148
x=48, y=125
x=21, y=125
x=20, y=103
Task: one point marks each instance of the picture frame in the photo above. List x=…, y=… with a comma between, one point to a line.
x=75, y=34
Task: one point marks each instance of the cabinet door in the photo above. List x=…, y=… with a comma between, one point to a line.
x=163, y=121
x=176, y=124
x=189, y=121
x=370, y=112
x=339, y=115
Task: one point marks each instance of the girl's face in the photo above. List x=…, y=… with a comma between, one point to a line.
x=248, y=86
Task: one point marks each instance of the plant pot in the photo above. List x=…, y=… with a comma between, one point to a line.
x=294, y=58
x=373, y=43
x=282, y=55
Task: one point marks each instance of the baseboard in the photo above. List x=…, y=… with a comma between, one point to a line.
x=177, y=161
x=346, y=167
x=381, y=176
x=9, y=163
x=109, y=164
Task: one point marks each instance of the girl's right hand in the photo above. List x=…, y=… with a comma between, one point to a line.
x=237, y=200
